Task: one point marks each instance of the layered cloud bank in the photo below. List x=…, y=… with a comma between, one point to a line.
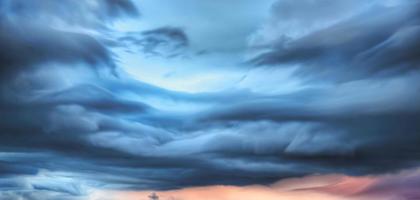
x=108, y=96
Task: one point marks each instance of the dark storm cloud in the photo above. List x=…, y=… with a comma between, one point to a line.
x=279, y=141
x=27, y=39
x=166, y=41
x=228, y=153
x=26, y=46
x=323, y=129
x=83, y=131
x=380, y=41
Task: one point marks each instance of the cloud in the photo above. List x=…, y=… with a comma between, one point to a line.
x=332, y=186
x=44, y=185
x=31, y=46
x=370, y=43
x=233, y=142
x=36, y=33
x=108, y=131
x=166, y=41
x=89, y=14
x=295, y=19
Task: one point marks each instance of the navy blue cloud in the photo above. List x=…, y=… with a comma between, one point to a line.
x=30, y=46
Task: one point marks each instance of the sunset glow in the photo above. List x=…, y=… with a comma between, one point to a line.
x=317, y=187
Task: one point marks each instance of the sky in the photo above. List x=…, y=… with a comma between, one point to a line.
x=209, y=99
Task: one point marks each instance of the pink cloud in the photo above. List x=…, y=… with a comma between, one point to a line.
x=400, y=186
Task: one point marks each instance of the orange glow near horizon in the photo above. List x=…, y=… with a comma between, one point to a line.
x=316, y=187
